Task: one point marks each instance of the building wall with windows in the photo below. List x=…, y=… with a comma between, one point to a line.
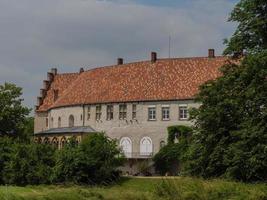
x=153, y=95
x=128, y=120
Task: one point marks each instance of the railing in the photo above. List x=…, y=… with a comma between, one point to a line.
x=138, y=155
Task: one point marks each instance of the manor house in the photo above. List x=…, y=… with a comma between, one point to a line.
x=133, y=102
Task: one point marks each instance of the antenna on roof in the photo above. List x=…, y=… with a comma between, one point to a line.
x=169, y=46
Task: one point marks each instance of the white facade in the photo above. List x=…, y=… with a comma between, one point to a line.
x=138, y=137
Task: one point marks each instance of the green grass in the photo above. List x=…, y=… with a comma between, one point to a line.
x=141, y=189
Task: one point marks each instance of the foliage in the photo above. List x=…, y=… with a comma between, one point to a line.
x=94, y=161
x=180, y=130
x=231, y=123
x=28, y=164
x=141, y=189
x=143, y=167
x=5, y=149
x=251, y=32
x=170, y=157
x=13, y=113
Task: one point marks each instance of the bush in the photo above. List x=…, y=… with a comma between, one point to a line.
x=169, y=159
x=28, y=164
x=5, y=149
x=94, y=161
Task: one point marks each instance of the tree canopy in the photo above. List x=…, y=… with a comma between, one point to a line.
x=231, y=126
x=251, y=33
x=13, y=114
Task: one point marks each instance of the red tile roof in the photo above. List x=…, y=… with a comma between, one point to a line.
x=165, y=79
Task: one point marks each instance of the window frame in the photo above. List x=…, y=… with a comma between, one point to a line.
x=183, y=113
x=98, y=112
x=134, y=111
x=122, y=111
x=88, y=112
x=152, y=114
x=163, y=115
x=110, y=112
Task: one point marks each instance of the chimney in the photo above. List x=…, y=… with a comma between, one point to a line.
x=153, y=57
x=120, y=61
x=81, y=70
x=54, y=71
x=211, y=53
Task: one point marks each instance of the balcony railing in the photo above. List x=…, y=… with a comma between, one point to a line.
x=138, y=155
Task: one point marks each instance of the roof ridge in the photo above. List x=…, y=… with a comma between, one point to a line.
x=149, y=61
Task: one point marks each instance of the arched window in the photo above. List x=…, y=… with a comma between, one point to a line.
x=162, y=144
x=146, y=146
x=126, y=146
x=59, y=122
x=39, y=141
x=63, y=142
x=52, y=122
x=46, y=140
x=71, y=121
x=55, y=142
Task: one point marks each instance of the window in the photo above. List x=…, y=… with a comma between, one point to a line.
x=166, y=113
x=123, y=111
x=98, y=112
x=46, y=122
x=81, y=117
x=71, y=121
x=152, y=113
x=126, y=146
x=46, y=140
x=52, y=122
x=63, y=142
x=146, y=146
x=109, y=112
x=88, y=112
x=55, y=142
x=134, y=111
x=59, y=122
x=183, y=112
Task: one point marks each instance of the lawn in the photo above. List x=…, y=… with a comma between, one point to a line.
x=141, y=189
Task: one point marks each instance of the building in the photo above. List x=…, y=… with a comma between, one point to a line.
x=133, y=102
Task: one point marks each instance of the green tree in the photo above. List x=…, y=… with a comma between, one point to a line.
x=28, y=164
x=231, y=137
x=13, y=113
x=94, y=161
x=251, y=32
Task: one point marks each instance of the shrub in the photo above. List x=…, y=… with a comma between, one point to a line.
x=28, y=164
x=94, y=161
x=169, y=158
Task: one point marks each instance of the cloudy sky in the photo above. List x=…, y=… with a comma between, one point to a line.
x=36, y=35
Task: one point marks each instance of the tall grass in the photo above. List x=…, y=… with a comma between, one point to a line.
x=141, y=189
